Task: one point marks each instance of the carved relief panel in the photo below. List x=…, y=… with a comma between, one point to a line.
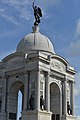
x=57, y=65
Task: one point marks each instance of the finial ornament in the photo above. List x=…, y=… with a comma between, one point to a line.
x=37, y=14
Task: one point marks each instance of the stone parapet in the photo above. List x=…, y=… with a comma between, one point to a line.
x=36, y=115
x=68, y=117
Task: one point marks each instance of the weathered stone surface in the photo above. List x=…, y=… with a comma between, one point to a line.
x=36, y=70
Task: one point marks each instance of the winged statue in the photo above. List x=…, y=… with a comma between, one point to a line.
x=37, y=14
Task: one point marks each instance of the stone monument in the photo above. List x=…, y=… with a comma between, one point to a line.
x=45, y=79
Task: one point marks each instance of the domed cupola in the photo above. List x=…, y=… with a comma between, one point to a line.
x=35, y=41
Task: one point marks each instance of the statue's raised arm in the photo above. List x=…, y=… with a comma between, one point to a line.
x=37, y=14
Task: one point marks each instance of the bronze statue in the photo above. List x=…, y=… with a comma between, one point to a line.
x=31, y=102
x=37, y=14
x=69, y=111
x=42, y=102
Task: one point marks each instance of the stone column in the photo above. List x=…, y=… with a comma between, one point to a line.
x=4, y=95
x=62, y=98
x=38, y=91
x=47, y=93
x=65, y=96
x=72, y=97
x=61, y=102
x=25, y=92
x=4, y=98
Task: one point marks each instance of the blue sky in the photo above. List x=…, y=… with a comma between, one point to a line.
x=60, y=22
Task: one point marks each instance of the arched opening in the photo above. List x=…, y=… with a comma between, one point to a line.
x=55, y=101
x=19, y=107
x=15, y=100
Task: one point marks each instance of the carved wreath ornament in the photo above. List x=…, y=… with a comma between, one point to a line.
x=58, y=66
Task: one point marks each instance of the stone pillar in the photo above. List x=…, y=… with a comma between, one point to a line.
x=47, y=93
x=62, y=98
x=65, y=96
x=4, y=95
x=61, y=102
x=72, y=97
x=25, y=92
x=38, y=91
x=4, y=98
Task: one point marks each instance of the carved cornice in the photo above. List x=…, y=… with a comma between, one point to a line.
x=57, y=74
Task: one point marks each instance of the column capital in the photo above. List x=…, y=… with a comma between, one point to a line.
x=41, y=70
x=66, y=77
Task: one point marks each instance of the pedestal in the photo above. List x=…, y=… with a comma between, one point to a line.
x=68, y=117
x=36, y=115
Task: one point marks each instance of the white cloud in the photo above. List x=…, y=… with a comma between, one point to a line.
x=45, y=15
x=78, y=118
x=76, y=92
x=77, y=85
x=25, y=14
x=74, y=49
x=77, y=107
x=49, y=2
x=19, y=11
x=15, y=11
x=77, y=77
x=1, y=10
x=16, y=2
x=11, y=19
x=78, y=27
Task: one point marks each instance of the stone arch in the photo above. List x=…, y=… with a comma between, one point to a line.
x=13, y=81
x=12, y=101
x=55, y=101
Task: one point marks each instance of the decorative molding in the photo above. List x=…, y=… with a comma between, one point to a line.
x=15, y=63
x=58, y=65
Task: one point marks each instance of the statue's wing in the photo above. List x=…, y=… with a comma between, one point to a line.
x=40, y=12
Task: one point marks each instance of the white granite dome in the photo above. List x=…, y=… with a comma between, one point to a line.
x=35, y=41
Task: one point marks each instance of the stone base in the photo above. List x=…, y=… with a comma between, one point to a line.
x=68, y=117
x=36, y=115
